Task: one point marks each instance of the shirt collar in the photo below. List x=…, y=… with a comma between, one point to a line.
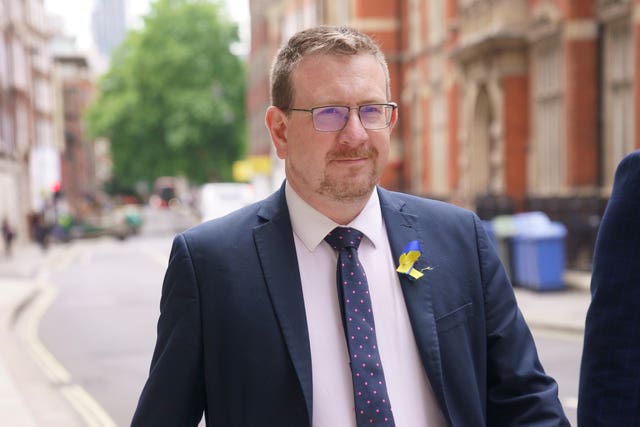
x=311, y=226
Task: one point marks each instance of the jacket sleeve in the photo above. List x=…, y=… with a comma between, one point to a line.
x=609, y=392
x=174, y=392
x=519, y=393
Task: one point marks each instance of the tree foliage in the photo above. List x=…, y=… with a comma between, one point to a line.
x=172, y=102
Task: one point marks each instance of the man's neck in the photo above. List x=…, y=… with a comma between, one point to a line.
x=340, y=211
x=343, y=212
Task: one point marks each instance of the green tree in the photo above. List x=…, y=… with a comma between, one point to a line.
x=172, y=102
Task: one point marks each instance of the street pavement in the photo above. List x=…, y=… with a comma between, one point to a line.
x=29, y=399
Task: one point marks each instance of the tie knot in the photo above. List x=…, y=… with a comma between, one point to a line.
x=344, y=237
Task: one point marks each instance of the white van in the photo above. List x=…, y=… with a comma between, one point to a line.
x=220, y=198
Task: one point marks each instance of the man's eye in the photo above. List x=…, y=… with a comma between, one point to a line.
x=371, y=109
x=330, y=111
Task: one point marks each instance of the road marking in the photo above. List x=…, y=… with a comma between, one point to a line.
x=92, y=413
x=570, y=402
x=157, y=256
x=60, y=258
x=558, y=334
x=27, y=327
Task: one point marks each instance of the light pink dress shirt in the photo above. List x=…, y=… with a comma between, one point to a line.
x=412, y=399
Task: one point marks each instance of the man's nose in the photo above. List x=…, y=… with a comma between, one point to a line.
x=353, y=130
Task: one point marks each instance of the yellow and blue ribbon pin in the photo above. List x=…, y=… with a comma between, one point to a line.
x=410, y=255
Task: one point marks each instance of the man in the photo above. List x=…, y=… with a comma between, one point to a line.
x=260, y=327
x=609, y=392
x=7, y=236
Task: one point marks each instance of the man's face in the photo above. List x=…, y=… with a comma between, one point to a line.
x=340, y=166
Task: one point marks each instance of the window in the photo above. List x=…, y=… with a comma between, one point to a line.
x=43, y=98
x=439, y=148
x=618, y=114
x=303, y=16
x=549, y=150
x=22, y=127
x=9, y=144
x=4, y=65
x=415, y=36
x=20, y=70
x=436, y=22
x=417, y=143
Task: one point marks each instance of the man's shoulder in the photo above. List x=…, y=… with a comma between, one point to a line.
x=221, y=235
x=237, y=220
x=242, y=221
x=627, y=177
x=635, y=155
x=416, y=204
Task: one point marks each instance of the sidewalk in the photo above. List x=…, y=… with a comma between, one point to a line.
x=26, y=394
x=563, y=310
x=24, y=263
x=27, y=398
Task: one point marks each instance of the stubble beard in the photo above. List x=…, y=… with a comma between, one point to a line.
x=354, y=185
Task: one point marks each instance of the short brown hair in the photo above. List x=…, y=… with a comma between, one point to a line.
x=324, y=39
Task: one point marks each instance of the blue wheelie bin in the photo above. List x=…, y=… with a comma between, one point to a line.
x=539, y=252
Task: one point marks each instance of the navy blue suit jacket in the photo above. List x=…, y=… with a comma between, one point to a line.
x=233, y=339
x=610, y=374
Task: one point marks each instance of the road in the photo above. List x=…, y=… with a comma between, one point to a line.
x=100, y=324
x=560, y=354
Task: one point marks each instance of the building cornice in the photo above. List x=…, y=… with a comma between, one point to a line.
x=543, y=27
x=611, y=10
x=489, y=44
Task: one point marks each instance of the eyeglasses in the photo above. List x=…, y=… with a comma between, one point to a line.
x=333, y=118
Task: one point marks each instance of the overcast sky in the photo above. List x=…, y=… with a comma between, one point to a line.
x=77, y=16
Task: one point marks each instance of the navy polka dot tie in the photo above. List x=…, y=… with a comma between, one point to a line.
x=372, y=404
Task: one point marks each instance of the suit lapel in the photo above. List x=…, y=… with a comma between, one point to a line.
x=401, y=229
x=277, y=253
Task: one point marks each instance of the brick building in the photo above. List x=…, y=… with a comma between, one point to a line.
x=505, y=105
x=80, y=178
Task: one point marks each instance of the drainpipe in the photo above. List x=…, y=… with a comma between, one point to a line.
x=400, y=83
x=600, y=103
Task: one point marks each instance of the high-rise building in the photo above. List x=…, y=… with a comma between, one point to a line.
x=108, y=24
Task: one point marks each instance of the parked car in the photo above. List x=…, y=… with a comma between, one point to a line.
x=220, y=198
x=121, y=222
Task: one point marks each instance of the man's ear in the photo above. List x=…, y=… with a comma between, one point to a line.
x=394, y=118
x=277, y=121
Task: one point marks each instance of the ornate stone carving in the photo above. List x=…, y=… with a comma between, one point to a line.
x=608, y=10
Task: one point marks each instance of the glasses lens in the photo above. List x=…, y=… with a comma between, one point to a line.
x=330, y=119
x=375, y=116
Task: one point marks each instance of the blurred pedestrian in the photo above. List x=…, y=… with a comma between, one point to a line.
x=609, y=392
x=267, y=317
x=8, y=234
x=41, y=231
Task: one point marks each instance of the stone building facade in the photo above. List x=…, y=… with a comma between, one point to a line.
x=29, y=152
x=45, y=88
x=505, y=105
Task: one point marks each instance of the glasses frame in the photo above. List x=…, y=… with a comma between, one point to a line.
x=392, y=105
